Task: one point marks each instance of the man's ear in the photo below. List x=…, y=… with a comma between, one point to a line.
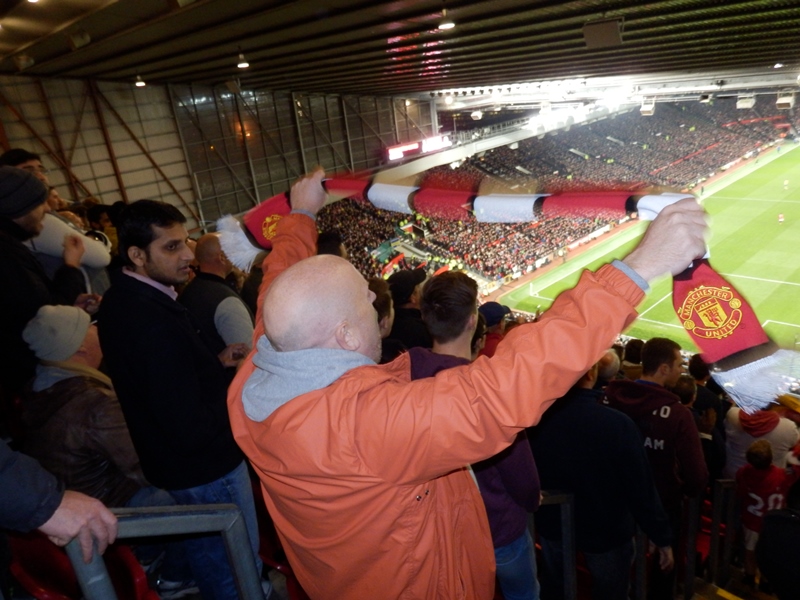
x=414, y=297
x=383, y=324
x=82, y=350
x=345, y=337
x=137, y=256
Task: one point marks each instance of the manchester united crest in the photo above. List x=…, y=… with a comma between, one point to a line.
x=711, y=312
x=269, y=226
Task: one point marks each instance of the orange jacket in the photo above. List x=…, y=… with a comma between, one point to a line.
x=365, y=479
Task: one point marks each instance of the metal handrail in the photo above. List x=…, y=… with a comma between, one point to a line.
x=724, y=501
x=693, y=506
x=690, y=516
x=226, y=519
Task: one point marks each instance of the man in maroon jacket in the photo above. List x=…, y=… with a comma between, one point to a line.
x=668, y=431
x=509, y=481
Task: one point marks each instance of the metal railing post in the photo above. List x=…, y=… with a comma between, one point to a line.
x=724, y=502
x=248, y=581
x=568, y=549
x=226, y=519
x=92, y=577
x=693, y=523
x=730, y=530
x=568, y=542
x=716, y=520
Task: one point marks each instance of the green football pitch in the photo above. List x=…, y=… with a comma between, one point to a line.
x=756, y=253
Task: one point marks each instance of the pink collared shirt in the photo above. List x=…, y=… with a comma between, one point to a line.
x=167, y=289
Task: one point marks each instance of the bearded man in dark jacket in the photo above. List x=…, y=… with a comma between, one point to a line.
x=24, y=286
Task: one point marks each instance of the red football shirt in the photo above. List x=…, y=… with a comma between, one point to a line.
x=763, y=490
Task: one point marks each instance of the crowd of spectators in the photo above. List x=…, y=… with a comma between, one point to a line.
x=497, y=250
x=363, y=229
x=491, y=250
x=678, y=145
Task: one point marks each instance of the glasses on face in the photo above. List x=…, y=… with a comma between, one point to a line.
x=32, y=169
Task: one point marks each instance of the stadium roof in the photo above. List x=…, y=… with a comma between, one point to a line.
x=396, y=48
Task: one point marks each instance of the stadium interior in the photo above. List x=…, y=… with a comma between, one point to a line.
x=214, y=106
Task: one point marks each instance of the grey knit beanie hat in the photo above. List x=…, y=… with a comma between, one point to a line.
x=56, y=332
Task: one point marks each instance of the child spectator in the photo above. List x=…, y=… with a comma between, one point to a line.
x=761, y=487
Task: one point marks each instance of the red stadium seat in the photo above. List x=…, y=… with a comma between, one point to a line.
x=44, y=570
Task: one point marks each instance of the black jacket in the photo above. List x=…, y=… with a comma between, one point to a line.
x=172, y=388
x=30, y=494
x=778, y=551
x=24, y=289
x=596, y=453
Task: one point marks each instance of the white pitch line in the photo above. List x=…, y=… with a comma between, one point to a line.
x=761, y=279
x=765, y=323
x=715, y=197
x=660, y=323
x=654, y=305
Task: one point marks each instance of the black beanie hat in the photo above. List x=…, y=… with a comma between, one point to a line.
x=20, y=192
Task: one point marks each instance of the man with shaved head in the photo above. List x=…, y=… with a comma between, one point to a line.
x=362, y=468
x=607, y=368
x=218, y=311
x=338, y=315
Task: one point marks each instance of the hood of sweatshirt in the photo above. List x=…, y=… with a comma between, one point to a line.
x=638, y=397
x=281, y=376
x=760, y=423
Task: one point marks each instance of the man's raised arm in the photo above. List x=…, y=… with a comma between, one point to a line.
x=295, y=238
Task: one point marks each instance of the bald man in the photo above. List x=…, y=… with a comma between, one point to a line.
x=217, y=310
x=607, y=368
x=362, y=468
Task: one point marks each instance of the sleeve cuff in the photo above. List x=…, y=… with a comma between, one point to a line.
x=300, y=211
x=634, y=276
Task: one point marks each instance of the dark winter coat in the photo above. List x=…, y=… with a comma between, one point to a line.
x=24, y=289
x=172, y=388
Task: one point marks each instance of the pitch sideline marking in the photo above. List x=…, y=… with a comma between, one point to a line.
x=578, y=263
x=731, y=198
x=654, y=305
x=660, y=323
x=765, y=323
x=761, y=279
